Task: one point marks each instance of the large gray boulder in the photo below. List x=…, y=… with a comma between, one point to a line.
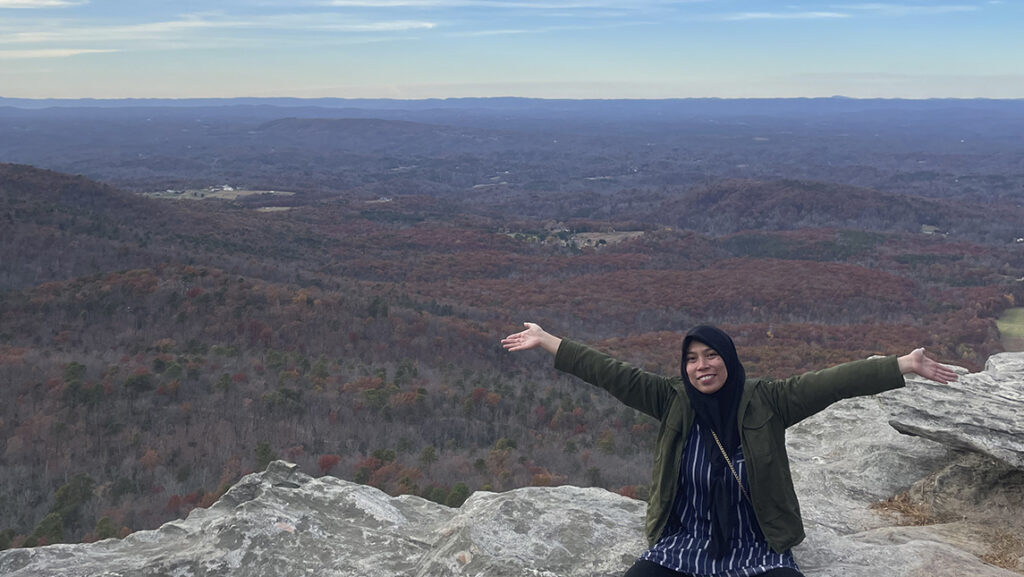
x=283, y=522
x=849, y=457
x=982, y=413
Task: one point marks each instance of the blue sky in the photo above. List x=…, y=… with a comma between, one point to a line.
x=531, y=48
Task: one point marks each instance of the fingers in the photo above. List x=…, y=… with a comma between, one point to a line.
x=513, y=336
x=943, y=374
x=936, y=371
x=917, y=362
x=517, y=337
x=516, y=342
x=511, y=341
x=523, y=340
x=517, y=347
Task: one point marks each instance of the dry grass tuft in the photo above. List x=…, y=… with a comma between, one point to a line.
x=1006, y=550
x=1005, y=547
x=904, y=512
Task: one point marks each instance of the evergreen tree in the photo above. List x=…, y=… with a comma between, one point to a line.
x=458, y=496
x=264, y=455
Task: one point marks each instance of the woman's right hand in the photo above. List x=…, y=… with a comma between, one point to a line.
x=534, y=336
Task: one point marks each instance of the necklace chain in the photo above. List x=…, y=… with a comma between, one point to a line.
x=729, y=462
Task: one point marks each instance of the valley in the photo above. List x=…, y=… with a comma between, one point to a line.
x=153, y=351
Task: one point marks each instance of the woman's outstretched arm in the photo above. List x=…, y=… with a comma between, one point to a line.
x=532, y=337
x=917, y=362
x=644, y=391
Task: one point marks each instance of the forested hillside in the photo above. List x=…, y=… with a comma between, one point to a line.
x=154, y=350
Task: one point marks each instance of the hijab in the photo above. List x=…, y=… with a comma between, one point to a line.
x=717, y=412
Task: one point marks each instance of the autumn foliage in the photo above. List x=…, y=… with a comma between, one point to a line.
x=172, y=349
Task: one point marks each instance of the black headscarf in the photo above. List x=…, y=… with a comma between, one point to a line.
x=717, y=412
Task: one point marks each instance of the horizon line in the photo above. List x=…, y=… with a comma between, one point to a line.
x=187, y=99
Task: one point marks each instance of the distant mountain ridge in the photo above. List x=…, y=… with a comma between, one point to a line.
x=507, y=102
x=961, y=149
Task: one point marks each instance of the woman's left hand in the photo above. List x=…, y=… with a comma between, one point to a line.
x=917, y=362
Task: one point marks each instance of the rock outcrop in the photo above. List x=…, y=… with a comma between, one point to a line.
x=981, y=414
x=283, y=522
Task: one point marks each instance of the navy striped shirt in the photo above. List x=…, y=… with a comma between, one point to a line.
x=684, y=543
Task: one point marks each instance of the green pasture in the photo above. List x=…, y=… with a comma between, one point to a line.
x=1011, y=324
x=1011, y=329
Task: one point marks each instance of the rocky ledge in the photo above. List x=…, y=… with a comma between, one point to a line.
x=960, y=475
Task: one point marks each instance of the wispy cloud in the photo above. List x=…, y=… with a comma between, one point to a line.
x=497, y=32
x=49, y=53
x=394, y=26
x=538, y=30
x=508, y=4
x=62, y=32
x=881, y=9
x=40, y=3
x=394, y=3
x=148, y=32
x=456, y=4
x=331, y=22
x=850, y=11
x=782, y=16
x=61, y=38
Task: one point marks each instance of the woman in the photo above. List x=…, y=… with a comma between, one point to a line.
x=722, y=501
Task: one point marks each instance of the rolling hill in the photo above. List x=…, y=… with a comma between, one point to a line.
x=154, y=350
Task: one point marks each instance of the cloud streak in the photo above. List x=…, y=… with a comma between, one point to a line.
x=461, y=4
x=537, y=30
x=40, y=3
x=907, y=10
x=549, y=5
x=782, y=16
x=49, y=39
x=49, y=53
x=846, y=11
x=395, y=26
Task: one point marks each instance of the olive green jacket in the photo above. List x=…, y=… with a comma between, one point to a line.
x=767, y=408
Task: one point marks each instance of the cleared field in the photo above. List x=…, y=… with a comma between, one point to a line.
x=214, y=193
x=595, y=238
x=1011, y=329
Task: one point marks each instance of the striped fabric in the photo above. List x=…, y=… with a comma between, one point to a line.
x=684, y=542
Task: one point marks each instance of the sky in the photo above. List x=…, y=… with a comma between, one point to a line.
x=411, y=49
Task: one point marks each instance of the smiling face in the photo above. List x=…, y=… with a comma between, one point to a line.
x=705, y=368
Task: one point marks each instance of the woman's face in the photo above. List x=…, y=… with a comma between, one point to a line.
x=705, y=368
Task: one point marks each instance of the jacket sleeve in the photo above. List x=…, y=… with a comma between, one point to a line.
x=800, y=397
x=641, y=390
